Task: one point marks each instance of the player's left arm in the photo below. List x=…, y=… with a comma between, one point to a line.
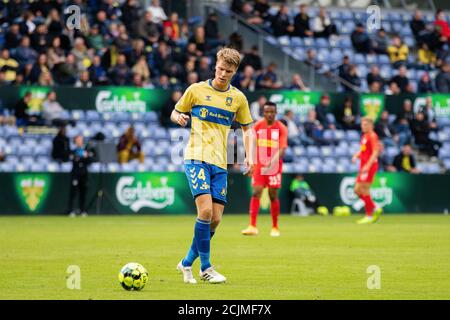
x=375, y=153
x=244, y=118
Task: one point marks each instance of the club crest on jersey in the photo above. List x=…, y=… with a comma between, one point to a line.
x=275, y=135
x=203, y=112
x=228, y=101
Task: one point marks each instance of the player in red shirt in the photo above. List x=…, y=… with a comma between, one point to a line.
x=368, y=155
x=271, y=142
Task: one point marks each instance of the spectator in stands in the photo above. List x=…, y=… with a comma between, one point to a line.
x=9, y=65
x=249, y=15
x=212, y=34
x=61, y=146
x=301, y=23
x=425, y=85
x=158, y=13
x=405, y=161
x=426, y=58
x=129, y=147
x=406, y=113
x=398, y=52
x=54, y=23
x=253, y=59
x=269, y=78
x=297, y=83
x=429, y=113
x=130, y=13
x=352, y=80
x=311, y=59
x=174, y=25
x=257, y=108
x=281, y=24
x=167, y=109
x=120, y=74
x=314, y=129
x=348, y=115
x=322, y=112
x=393, y=89
x=322, y=26
x=24, y=53
x=384, y=163
x=23, y=118
x=12, y=37
x=401, y=79
x=344, y=68
x=386, y=131
x=84, y=81
x=2, y=156
x=199, y=39
x=146, y=29
x=38, y=67
x=245, y=80
x=97, y=72
x=141, y=68
x=236, y=6
x=52, y=111
x=380, y=42
x=421, y=130
x=235, y=41
x=55, y=54
x=419, y=28
x=163, y=82
x=204, y=69
x=443, y=79
x=261, y=8
x=374, y=76
x=40, y=39
x=441, y=25
x=360, y=39
x=46, y=79
x=67, y=72
x=294, y=132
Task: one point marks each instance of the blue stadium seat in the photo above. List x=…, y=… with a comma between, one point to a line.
x=78, y=115
x=326, y=151
x=352, y=135
x=92, y=115
x=296, y=42
x=6, y=167
x=313, y=151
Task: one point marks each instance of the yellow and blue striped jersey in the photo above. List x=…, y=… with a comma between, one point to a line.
x=212, y=112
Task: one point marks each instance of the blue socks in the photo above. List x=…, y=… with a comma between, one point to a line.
x=200, y=245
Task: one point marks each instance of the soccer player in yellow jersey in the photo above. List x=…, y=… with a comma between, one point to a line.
x=212, y=105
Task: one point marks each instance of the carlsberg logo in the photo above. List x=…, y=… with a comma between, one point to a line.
x=107, y=101
x=140, y=194
x=381, y=195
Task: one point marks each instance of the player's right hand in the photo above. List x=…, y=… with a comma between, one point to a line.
x=182, y=119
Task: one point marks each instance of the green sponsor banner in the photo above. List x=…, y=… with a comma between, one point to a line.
x=102, y=99
x=132, y=99
x=371, y=105
x=169, y=193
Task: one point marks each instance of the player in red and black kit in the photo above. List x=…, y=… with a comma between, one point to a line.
x=368, y=155
x=271, y=142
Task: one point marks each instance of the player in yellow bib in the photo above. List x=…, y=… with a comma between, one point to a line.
x=212, y=106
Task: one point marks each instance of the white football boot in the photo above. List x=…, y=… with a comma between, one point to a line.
x=212, y=276
x=188, y=277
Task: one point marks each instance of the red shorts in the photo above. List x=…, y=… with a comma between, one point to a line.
x=271, y=181
x=369, y=176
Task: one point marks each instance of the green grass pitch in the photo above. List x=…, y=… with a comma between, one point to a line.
x=315, y=257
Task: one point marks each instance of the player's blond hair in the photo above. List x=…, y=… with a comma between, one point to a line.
x=230, y=56
x=368, y=119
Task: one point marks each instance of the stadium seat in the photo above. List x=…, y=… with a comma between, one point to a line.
x=313, y=151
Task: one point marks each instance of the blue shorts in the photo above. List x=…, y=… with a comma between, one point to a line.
x=205, y=178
